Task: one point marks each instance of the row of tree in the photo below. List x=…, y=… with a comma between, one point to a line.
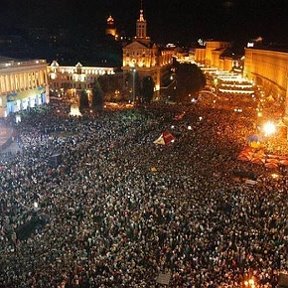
x=188, y=81
x=143, y=89
x=97, y=98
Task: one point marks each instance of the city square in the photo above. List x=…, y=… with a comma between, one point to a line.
x=137, y=164
x=105, y=218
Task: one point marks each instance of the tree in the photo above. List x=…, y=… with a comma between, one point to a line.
x=83, y=103
x=97, y=96
x=190, y=80
x=147, y=89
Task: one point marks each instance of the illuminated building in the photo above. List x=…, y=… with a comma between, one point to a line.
x=215, y=54
x=184, y=56
x=268, y=68
x=199, y=55
x=213, y=51
x=23, y=84
x=76, y=77
x=147, y=58
x=110, y=28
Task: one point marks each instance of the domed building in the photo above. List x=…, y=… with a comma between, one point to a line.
x=111, y=28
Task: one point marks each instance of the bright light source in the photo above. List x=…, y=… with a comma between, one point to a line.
x=172, y=127
x=35, y=204
x=274, y=175
x=200, y=118
x=269, y=128
x=259, y=114
x=18, y=118
x=249, y=283
x=74, y=110
x=172, y=141
x=189, y=127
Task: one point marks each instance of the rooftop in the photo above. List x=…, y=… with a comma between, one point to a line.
x=10, y=62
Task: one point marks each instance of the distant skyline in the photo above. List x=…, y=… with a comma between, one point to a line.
x=168, y=20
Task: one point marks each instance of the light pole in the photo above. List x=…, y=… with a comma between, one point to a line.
x=133, y=84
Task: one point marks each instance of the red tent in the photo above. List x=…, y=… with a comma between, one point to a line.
x=258, y=161
x=283, y=162
x=165, y=138
x=274, y=161
x=243, y=157
x=271, y=165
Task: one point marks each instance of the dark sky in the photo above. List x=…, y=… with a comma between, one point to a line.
x=168, y=20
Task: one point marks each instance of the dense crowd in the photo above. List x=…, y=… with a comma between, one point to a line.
x=102, y=217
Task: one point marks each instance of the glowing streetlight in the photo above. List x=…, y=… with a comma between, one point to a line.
x=269, y=128
x=250, y=283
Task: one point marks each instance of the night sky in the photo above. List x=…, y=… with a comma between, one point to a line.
x=168, y=20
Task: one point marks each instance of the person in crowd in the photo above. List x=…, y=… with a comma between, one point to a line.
x=100, y=217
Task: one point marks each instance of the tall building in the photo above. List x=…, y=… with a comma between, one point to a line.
x=217, y=54
x=214, y=49
x=145, y=57
x=268, y=67
x=23, y=84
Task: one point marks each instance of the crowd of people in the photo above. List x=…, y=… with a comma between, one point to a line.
x=100, y=216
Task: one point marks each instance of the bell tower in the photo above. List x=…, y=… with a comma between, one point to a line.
x=141, y=27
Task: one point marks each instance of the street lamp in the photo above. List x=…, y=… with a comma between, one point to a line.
x=133, y=84
x=269, y=128
x=250, y=283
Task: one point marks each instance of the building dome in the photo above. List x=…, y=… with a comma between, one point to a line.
x=110, y=20
x=111, y=29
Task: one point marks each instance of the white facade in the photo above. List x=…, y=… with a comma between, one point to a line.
x=23, y=84
x=77, y=77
